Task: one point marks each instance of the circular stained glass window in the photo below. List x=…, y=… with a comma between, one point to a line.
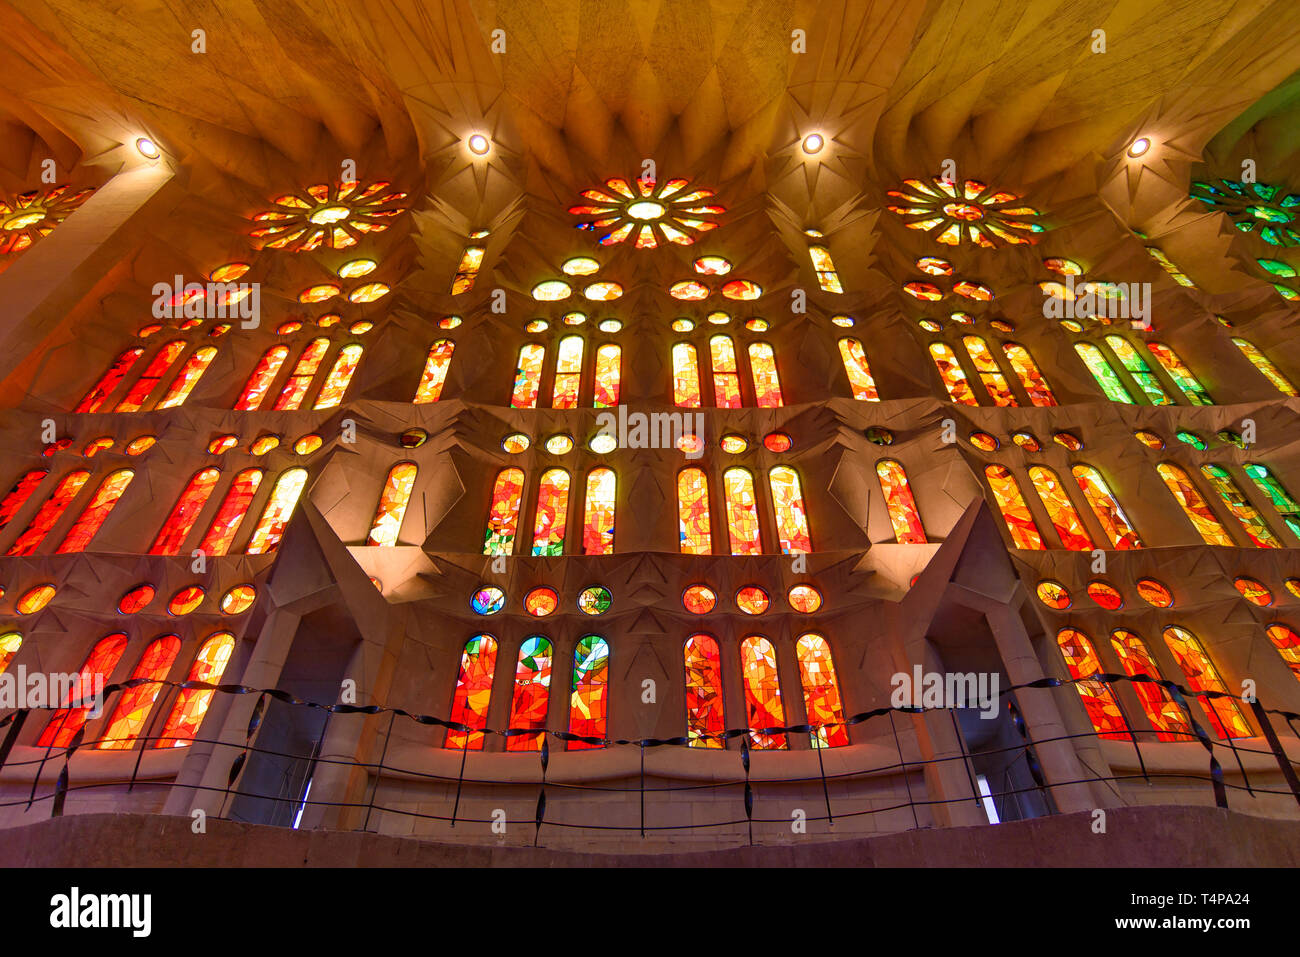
x=688, y=290
x=778, y=442
x=361, y=327
x=1293, y=586
x=222, y=443
x=552, y=291
x=515, y=442
x=1069, y=325
x=878, y=435
x=1063, y=267
x=142, y=444
x=238, y=600
x=308, y=444
x=925, y=291
x=573, y=318
x=288, y=328
x=331, y=319
x=804, y=599
x=756, y=325
x=580, y=266
x=228, y=272
x=610, y=325
x=845, y=321
x=1001, y=325
x=594, y=600
x=541, y=601
x=147, y=331
x=412, y=438
x=712, y=266
x=934, y=266
x=964, y=318
x=929, y=325
x=1053, y=595
x=136, y=599
x=319, y=293
x=185, y=600
x=742, y=290
x=449, y=322
x=35, y=599
x=603, y=291
x=984, y=442
x=1027, y=441
x=683, y=325
x=1149, y=439
x=1069, y=440
x=1154, y=593
x=733, y=443
x=718, y=318
x=1253, y=591
x=602, y=443
x=488, y=600
x=690, y=444
x=1194, y=440
x=559, y=444
x=368, y=293
x=536, y=325
x=356, y=268
x=263, y=444
x=752, y=600
x=699, y=599
x=1106, y=595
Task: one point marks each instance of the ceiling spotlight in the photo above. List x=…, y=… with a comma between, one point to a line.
x=148, y=148
x=1139, y=146
x=479, y=144
x=812, y=143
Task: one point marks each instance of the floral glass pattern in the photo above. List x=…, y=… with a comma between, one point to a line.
x=649, y=214
x=971, y=212
x=330, y=215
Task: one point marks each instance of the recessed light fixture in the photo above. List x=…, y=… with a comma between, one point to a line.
x=813, y=143
x=1139, y=146
x=148, y=148
x=479, y=144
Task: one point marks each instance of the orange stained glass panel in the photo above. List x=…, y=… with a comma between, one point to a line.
x=532, y=693
x=1283, y=637
x=528, y=376
x=270, y=527
x=767, y=385
x=19, y=494
x=821, y=693
x=93, y=516
x=552, y=513
x=392, y=504
x=588, y=699
x=469, y=706
x=135, y=397
x=608, y=358
x=1097, y=697
x=263, y=375
x=693, y=528
x=726, y=380
x=903, y=515
x=598, y=513
x=295, y=389
x=188, y=377
x=1006, y=492
x=10, y=642
x=763, y=706
x=134, y=705
x=192, y=703
x=1252, y=523
x=1225, y=714
x=1193, y=505
x=95, y=399
x=221, y=533
x=686, y=376
x=184, y=513
x=68, y=720
x=503, y=514
x=568, y=373
x=859, y=373
x=791, y=516
x=1160, y=708
x=50, y=512
x=1106, y=507
x=994, y=381
x=742, y=512
x=1027, y=371
x=950, y=371
x=1060, y=509
x=340, y=376
x=435, y=372
x=704, y=715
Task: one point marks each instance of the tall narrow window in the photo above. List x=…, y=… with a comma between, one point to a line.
x=95, y=399
x=552, y=513
x=821, y=693
x=791, y=517
x=693, y=512
x=435, y=372
x=726, y=380
x=1097, y=697
x=1284, y=639
x=704, y=716
x=1266, y=367
x=1161, y=709
x=135, y=397
x=568, y=373
x=994, y=381
x=950, y=371
x=1264, y=480
x=824, y=266
x=1006, y=492
x=1225, y=714
x=295, y=389
x=50, y=512
x=1060, y=509
x=1182, y=376
x=221, y=533
x=588, y=699
x=264, y=373
x=392, y=504
x=134, y=705
x=686, y=376
x=1197, y=510
x=188, y=377
x=1252, y=523
x=503, y=514
x=1106, y=507
x=763, y=707
x=900, y=504
x=19, y=494
x=762, y=367
x=340, y=376
x=93, y=516
x=10, y=642
x=478, y=666
x=1027, y=371
x=470, y=262
x=859, y=373
x=598, y=513
x=742, y=512
x=270, y=527
x=1103, y=372
x=192, y=703
x=532, y=692
x=608, y=359
x=1132, y=361
x=70, y=718
x=528, y=376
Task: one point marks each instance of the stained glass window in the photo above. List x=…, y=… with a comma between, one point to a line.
x=221, y=533
x=742, y=512
x=1260, y=535
x=503, y=514
x=693, y=512
x=1179, y=372
x=821, y=693
x=295, y=388
x=791, y=517
x=1137, y=367
x=183, y=514
x=950, y=371
x=994, y=381
x=1098, y=699
x=824, y=266
x=726, y=380
x=270, y=527
x=134, y=705
x=608, y=358
x=598, y=513
x=646, y=213
x=188, y=377
x=1225, y=714
x=1197, y=510
x=1265, y=367
x=528, y=376
x=1284, y=639
x=1027, y=371
x=10, y=642
x=19, y=494
x=469, y=706
x=336, y=383
x=1264, y=480
x=859, y=373
x=1103, y=372
x=95, y=399
x=1060, y=509
x=392, y=504
x=686, y=376
x=903, y=515
x=762, y=366
x=140, y=390
x=470, y=262
x=568, y=373
x=588, y=698
x=1106, y=507
x=435, y=372
x=532, y=692
x=94, y=515
x=192, y=703
x=334, y=215
x=763, y=707
x=1006, y=492
x=552, y=513
x=704, y=714
x=1161, y=709
x=68, y=720
x=50, y=512
x=973, y=212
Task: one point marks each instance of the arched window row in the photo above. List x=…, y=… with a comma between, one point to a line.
x=551, y=512
x=1059, y=503
x=230, y=513
x=567, y=381
x=740, y=512
x=1122, y=372
x=297, y=385
x=991, y=373
x=1195, y=506
x=89, y=520
x=725, y=374
x=144, y=393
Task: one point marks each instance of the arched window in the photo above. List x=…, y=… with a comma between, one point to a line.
x=135, y=397
x=1196, y=509
x=20, y=493
x=1098, y=699
x=1132, y=361
x=903, y=515
x=704, y=715
x=10, y=642
x=221, y=533
x=1225, y=714
x=478, y=666
x=93, y=516
x=791, y=517
x=568, y=373
x=1264, y=480
x=192, y=703
x=693, y=512
x=824, y=266
x=763, y=707
x=598, y=513
x=1265, y=367
x=1027, y=371
x=762, y=368
x=1106, y=507
x=270, y=527
x=470, y=262
x=392, y=504
x=1161, y=709
x=821, y=693
x=264, y=373
x=340, y=376
x=295, y=389
x=588, y=701
x=994, y=381
x=950, y=371
x=134, y=705
x=435, y=372
x=50, y=512
x=1182, y=376
x=70, y=718
x=1284, y=639
x=1006, y=492
x=726, y=379
x=98, y=395
x=503, y=513
x=1260, y=535
x=608, y=359
x=528, y=376
x=532, y=693
x=859, y=373
x=188, y=377
x=552, y=513
x=686, y=376
x=742, y=512
x=1103, y=372
x=1060, y=509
